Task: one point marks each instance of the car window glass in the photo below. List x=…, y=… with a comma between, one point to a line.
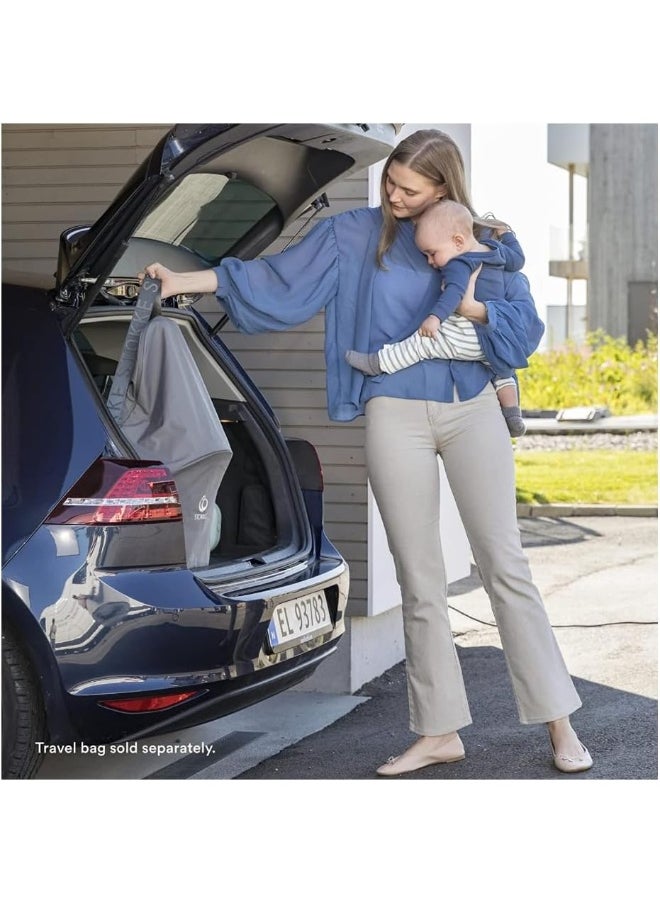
x=207, y=213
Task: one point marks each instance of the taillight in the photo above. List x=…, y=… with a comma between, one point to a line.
x=120, y=491
x=148, y=704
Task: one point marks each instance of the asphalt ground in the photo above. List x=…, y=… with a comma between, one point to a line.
x=598, y=578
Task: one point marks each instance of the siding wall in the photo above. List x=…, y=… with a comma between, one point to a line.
x=623, y=219
x=55, y=176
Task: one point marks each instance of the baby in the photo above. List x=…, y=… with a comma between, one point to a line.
x=444, y=233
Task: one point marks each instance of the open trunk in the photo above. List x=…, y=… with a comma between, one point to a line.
x=258, y=514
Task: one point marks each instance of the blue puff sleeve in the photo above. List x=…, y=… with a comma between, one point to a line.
x=514, y=329
x=332, y=270
x=281, y=290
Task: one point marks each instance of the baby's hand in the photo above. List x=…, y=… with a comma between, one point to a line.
x=430, y=327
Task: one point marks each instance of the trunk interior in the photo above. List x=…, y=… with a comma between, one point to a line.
x=258, y=519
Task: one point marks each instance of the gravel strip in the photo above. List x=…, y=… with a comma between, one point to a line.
x=641, y=441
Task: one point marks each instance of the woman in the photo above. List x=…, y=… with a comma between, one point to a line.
x=364, y=269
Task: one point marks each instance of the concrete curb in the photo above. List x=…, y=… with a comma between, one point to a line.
x=647, y=423
x=550, y=510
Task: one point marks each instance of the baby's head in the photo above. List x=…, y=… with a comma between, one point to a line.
x=443, y=231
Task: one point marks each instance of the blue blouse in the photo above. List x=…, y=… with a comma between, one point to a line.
x=334, y=269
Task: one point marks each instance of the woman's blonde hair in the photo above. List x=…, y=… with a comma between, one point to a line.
x=434, y=155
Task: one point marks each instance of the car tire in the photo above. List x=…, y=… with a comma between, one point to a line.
x=23, y=715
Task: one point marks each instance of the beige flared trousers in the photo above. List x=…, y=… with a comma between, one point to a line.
x=404, y=438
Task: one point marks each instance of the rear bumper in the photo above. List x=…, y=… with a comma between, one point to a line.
x=216, y=645
x=238, y=694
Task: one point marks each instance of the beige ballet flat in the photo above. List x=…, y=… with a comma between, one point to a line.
x=572, y=763
x=395, y=766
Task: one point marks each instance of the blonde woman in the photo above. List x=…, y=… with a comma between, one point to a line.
x=363, y=268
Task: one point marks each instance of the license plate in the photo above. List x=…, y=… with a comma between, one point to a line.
x=298, y=620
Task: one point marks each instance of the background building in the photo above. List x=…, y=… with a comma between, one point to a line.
x=608, y=258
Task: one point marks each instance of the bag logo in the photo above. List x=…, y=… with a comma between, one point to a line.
x=203, y=504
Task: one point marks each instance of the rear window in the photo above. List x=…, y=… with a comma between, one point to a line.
x=207, y=213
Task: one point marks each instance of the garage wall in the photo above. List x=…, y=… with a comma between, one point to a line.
x=55, y=176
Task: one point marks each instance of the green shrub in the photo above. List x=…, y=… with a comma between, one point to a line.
x=605, y=371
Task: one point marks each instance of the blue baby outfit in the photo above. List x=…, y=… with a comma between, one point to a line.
x=334, y=269
x=505, y=254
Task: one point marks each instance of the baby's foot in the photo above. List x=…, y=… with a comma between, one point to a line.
x=368, y=364
x=514, y=421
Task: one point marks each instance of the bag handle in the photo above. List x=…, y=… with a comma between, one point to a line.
x=147, y=304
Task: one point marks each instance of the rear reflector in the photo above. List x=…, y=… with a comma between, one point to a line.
x=120, y=491
x=148, y=704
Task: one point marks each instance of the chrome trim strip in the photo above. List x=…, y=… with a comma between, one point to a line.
x=293, y=590
x=219, y=586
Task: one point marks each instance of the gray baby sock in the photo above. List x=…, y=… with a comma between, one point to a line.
x=368, y=364
x=514, y=421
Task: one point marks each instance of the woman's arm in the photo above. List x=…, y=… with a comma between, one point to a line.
x=274, y=292
x=512, y=329
x=198, y=282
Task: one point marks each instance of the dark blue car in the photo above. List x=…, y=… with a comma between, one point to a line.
x=164, y=560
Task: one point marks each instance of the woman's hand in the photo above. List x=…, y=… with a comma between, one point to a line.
x=198, y=282
x=469, y=306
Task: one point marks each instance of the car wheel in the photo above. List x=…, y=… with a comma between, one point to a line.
x=23, y=715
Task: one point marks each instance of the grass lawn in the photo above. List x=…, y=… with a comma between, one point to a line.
x=591, y=476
